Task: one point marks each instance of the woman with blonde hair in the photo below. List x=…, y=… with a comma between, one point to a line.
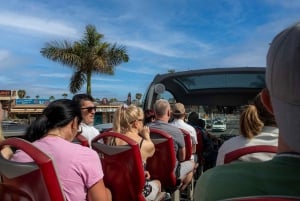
x=128, y=120
x=257, y=127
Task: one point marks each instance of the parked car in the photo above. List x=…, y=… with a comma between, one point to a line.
x=208, y=123
x=219, y=126
x=13, y=129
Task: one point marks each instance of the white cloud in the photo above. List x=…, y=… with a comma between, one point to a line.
x=56, y=75
x=4, y=54
x=290, y=4
x=105, y=79
x=139, y=70
x=36, y=24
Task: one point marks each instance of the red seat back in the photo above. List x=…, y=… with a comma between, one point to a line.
x=200, y=145
x=80, y=139
x=122, y=166
x=188, y=144
x=162, y=164
x=32, y=181
x=236, y=154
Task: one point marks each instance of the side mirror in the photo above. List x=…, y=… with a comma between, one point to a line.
x=159, y=88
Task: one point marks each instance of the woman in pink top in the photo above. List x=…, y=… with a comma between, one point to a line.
x=79, y=168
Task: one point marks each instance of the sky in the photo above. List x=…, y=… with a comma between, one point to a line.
x=159, y=35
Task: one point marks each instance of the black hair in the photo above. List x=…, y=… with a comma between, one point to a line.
x=193, y=118
x=149, y=116
x=57, y=114
x=82, y=97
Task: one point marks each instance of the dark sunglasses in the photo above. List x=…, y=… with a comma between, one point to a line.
x=136, y=120
x=89, y=109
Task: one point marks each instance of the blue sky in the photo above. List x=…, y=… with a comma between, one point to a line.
x=159, y=35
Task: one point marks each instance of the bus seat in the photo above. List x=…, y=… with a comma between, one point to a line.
x=122, y=166
x=199, y=153
x=32, y=181
x=162, y=164
x=188, y=154
x=188, y=144
x=200, y=145
x=80, y=139
x=265, y=198
x=236, y=154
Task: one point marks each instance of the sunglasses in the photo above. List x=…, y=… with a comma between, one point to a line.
x=136, y=120
x=89, y=109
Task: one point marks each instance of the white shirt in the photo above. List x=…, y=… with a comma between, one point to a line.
x=89, y=132
x=179, y=123
x=268, y=136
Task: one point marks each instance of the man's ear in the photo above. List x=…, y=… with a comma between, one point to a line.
x=266, y=100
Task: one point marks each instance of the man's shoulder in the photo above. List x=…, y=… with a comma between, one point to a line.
x=89, y=129
x=253, y=176
x=189, y=127
x=165, y=126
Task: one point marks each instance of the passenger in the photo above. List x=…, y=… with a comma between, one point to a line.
x=162, y=115
x=178, y=114
x=257, y=127
x=88, y=110
x=79, y=168
x=280, y=175
x=211, y=143
x=6, y=152
x=149, y=116
x=129, y=121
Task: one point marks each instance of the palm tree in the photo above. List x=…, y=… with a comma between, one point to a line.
x=171, y=71
x=37, y=96
x=138, y=96
x=21, y=93
x=51, y=98
x=65, y=95
x=87, y=56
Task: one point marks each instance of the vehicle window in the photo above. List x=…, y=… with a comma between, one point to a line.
x=217, y=95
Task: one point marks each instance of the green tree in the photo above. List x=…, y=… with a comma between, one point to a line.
x=113, y=100
x=64, y=95
x=51, y=98
x=37, y=96
x=88, y=56
x=138, y=96
x=21, y=93
x=171, y=71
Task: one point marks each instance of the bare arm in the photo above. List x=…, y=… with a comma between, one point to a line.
x=7, y=152
x=98, y=192
x=148, y=148
x=194, y=148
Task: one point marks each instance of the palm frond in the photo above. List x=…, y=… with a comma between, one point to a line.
x=77, y=81
x=62, y=52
